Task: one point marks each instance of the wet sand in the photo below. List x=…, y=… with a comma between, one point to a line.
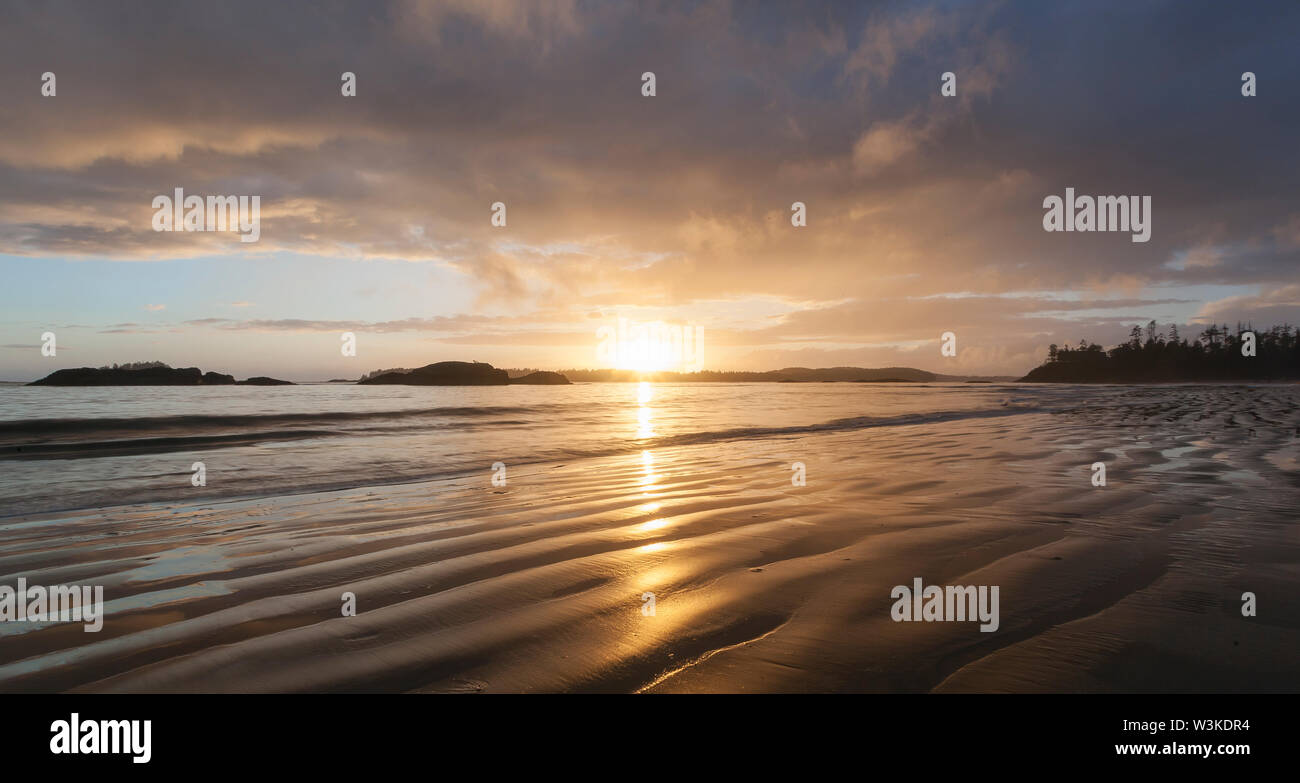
x=760, y=585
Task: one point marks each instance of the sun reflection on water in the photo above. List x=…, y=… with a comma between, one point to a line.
x=645, y=393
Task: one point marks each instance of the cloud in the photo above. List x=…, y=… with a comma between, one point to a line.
x=516, y=19
x=884, y=41
x=1288, y=233
x=1271, y=307
x=886, y=143
x=923, y=211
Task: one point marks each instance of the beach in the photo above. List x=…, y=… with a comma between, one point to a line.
x=611, y=492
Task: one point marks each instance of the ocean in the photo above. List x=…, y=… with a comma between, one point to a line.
x=83, y=447
x=655, y=537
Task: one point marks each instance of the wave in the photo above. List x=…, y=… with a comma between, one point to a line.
x=843, y=425
x=325, y=467
x=114, y=448
x=193, y=438
x=12, y=430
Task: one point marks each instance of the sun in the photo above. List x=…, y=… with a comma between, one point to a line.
x=650, y=346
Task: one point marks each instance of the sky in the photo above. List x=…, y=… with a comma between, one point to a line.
x=924, y=211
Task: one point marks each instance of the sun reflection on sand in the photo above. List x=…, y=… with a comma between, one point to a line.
x=652, y=525
x=649, y=477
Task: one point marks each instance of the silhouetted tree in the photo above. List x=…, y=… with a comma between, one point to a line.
x=1214, y=356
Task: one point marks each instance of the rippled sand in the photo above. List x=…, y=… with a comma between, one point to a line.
x=759, y=585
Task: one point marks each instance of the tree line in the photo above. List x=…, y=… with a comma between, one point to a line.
x=1150, y=355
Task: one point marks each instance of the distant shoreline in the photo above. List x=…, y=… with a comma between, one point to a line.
x=458, y=373
x=999, y=381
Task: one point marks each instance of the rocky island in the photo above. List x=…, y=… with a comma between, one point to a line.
x=147, y=374
x=461, y=374
x=541, y=378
